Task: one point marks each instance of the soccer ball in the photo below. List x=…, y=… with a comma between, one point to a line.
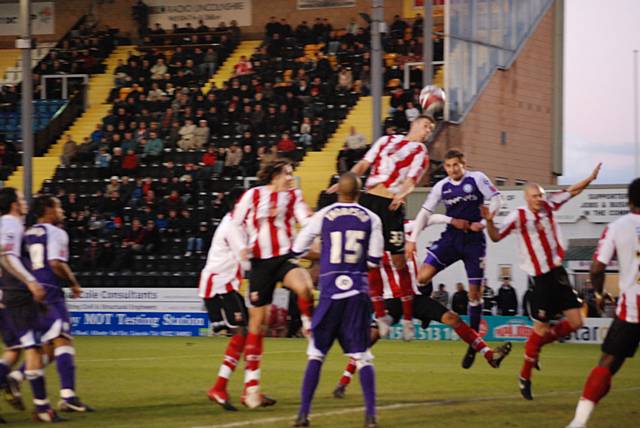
x=432, y=99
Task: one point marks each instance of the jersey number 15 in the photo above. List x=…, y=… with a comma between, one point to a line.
x=352, y=246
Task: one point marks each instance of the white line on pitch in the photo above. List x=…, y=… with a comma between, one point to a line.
x=397, y=406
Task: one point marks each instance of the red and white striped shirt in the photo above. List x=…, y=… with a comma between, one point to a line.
x=222, y=273
x=539, y=239
x=622, y=238
x=269, y=219
x=395, y=159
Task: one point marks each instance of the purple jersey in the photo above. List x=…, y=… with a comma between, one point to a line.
x=464, y=198
x=44, y=243
x=351, y=237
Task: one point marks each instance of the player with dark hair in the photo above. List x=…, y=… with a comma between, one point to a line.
x=47, y=258
x=622, y=239
x=397, y=164
x=22, y=296
x=219, y=288
x=268, y=214
x=352, y=240
x=541, y=255
x=462, y=192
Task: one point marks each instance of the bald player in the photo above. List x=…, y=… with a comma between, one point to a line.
x=351, y=243
x=541, y=254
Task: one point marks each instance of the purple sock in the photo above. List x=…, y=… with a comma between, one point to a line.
x=66, y=370
x=475, y=313
x=309, y=385
x=39, y=389
x=368, y=383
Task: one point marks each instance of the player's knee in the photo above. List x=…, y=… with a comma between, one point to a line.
x=363, y=359
x=242, y=330
x=315, y=357
x=450, y=318
x=576, y=323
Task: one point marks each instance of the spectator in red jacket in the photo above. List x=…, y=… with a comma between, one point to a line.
x=209, y=157
x=130, y=162
x=286, y=144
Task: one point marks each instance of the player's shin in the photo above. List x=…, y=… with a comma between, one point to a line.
x=253, y=356
x=475, y=313
x=309, y=384
x=473, y=339
x=38, y=389
x=368, y=384
x=596, y=387
x=348, y=372
x=407, y=293
x=231, y=357
x=531, y=354
x=65, y=364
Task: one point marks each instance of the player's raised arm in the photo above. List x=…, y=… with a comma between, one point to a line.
x=301, y=210
x=498, y=234
x=577, y=188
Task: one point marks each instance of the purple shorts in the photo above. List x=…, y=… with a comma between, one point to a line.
x=55, y=322
x=18, y=326
x=455, y=245
x=347, y=320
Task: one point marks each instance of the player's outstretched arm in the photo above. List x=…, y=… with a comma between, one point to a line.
x=577, y=188
x=492, y=230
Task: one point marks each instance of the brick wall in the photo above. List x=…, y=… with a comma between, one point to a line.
x=517, y=101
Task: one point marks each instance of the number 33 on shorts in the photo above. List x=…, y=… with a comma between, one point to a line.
x=396, y=237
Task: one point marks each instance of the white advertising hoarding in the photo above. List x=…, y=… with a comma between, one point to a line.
x=212, y=12
x=42, y=18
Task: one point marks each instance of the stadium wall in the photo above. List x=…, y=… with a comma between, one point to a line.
x=508, y=132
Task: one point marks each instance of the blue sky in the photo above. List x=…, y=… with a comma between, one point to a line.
x=598, y=106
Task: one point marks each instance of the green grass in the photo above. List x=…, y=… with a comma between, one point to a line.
x=161, y=382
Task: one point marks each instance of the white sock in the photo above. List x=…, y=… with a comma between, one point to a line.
x=583, y=412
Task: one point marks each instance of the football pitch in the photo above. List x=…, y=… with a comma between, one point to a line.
x=162, y=382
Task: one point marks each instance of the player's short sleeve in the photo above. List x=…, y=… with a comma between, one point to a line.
x=11, y=231
x=558, y=199
x=376, y=241
x=606, y=246
x=509, y=224
x=419, y=164
x=308, y=233
x=485, y=185
x=434, y=197
x=374, y=151
x=57, y=244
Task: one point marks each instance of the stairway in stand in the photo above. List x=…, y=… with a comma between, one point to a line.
x=316, y=169
x=98, y=91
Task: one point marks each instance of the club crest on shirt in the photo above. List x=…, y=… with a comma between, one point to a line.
x=343, y=282
x=254, y=296
x=237, y=316
x=468, y=188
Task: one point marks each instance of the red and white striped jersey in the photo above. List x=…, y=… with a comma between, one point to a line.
x=622, y=238
x=389, y=274
x=269, y=219
x=394, y=159
x=539, y=239
x=222, y=272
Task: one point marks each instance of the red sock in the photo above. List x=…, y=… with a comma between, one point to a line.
x=231, y=357
x=407, y=293
x=348, y=372
x=375, y=291
x=305, y=305
x=531, y=353
x=562, y=329
x=597, y=385
x=252, y=355
x=474, y=340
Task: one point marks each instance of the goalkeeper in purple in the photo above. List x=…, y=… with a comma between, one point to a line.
x=48, y=253
x=351, y=242
x=462, y=192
